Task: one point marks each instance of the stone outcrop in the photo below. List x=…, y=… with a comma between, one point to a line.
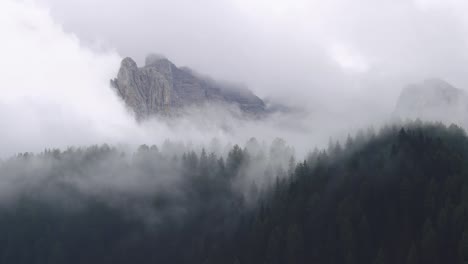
x=433, y=100
x=162, y=88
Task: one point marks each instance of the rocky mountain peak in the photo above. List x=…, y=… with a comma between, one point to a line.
x=430, y=93
x=434, y=100
x=128, y=63
x=160, y=87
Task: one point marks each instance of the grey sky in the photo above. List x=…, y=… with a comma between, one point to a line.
x=334, y=47
x=346, y=61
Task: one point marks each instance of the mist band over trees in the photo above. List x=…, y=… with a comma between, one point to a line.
x=385, y=195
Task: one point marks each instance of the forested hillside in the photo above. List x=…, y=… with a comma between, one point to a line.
x=401, y=197
x=396, y=196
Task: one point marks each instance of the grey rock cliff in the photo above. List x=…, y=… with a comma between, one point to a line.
x=162, y=88
x=433, y=100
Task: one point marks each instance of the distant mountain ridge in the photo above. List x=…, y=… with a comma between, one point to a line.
x=160, y=87
x=433, y=100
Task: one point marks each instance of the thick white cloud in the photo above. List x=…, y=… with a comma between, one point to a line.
x=54, y=92
x=338, y=58
x=312, y=47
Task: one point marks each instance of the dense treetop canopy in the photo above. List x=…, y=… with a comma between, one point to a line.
x=396, y=196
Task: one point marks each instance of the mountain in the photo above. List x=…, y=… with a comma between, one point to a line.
x=160, y=87
x=434, y=100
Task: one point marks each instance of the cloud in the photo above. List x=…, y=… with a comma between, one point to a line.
x=338, y=59
x=313, y=52
x=54, y=91
x=348, y=59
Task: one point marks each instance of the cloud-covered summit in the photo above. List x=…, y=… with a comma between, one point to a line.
x=161, y=88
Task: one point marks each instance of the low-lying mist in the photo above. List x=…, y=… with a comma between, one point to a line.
x=141, y=182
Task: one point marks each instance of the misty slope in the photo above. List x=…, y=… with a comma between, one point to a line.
x=396, y=197
x=162, y=88
x=433, y=100
x=400, y=197
x=99, y=205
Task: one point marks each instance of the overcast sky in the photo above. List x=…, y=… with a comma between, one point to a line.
x=346, y=61
x=316, y=47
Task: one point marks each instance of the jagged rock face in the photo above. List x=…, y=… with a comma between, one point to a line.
x=145, y=90
x=433, y=100
x=162, y=88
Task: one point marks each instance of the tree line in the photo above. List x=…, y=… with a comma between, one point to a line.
x=399, y=195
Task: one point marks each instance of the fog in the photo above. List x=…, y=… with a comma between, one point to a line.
x=330, y=51
x=343, y=64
